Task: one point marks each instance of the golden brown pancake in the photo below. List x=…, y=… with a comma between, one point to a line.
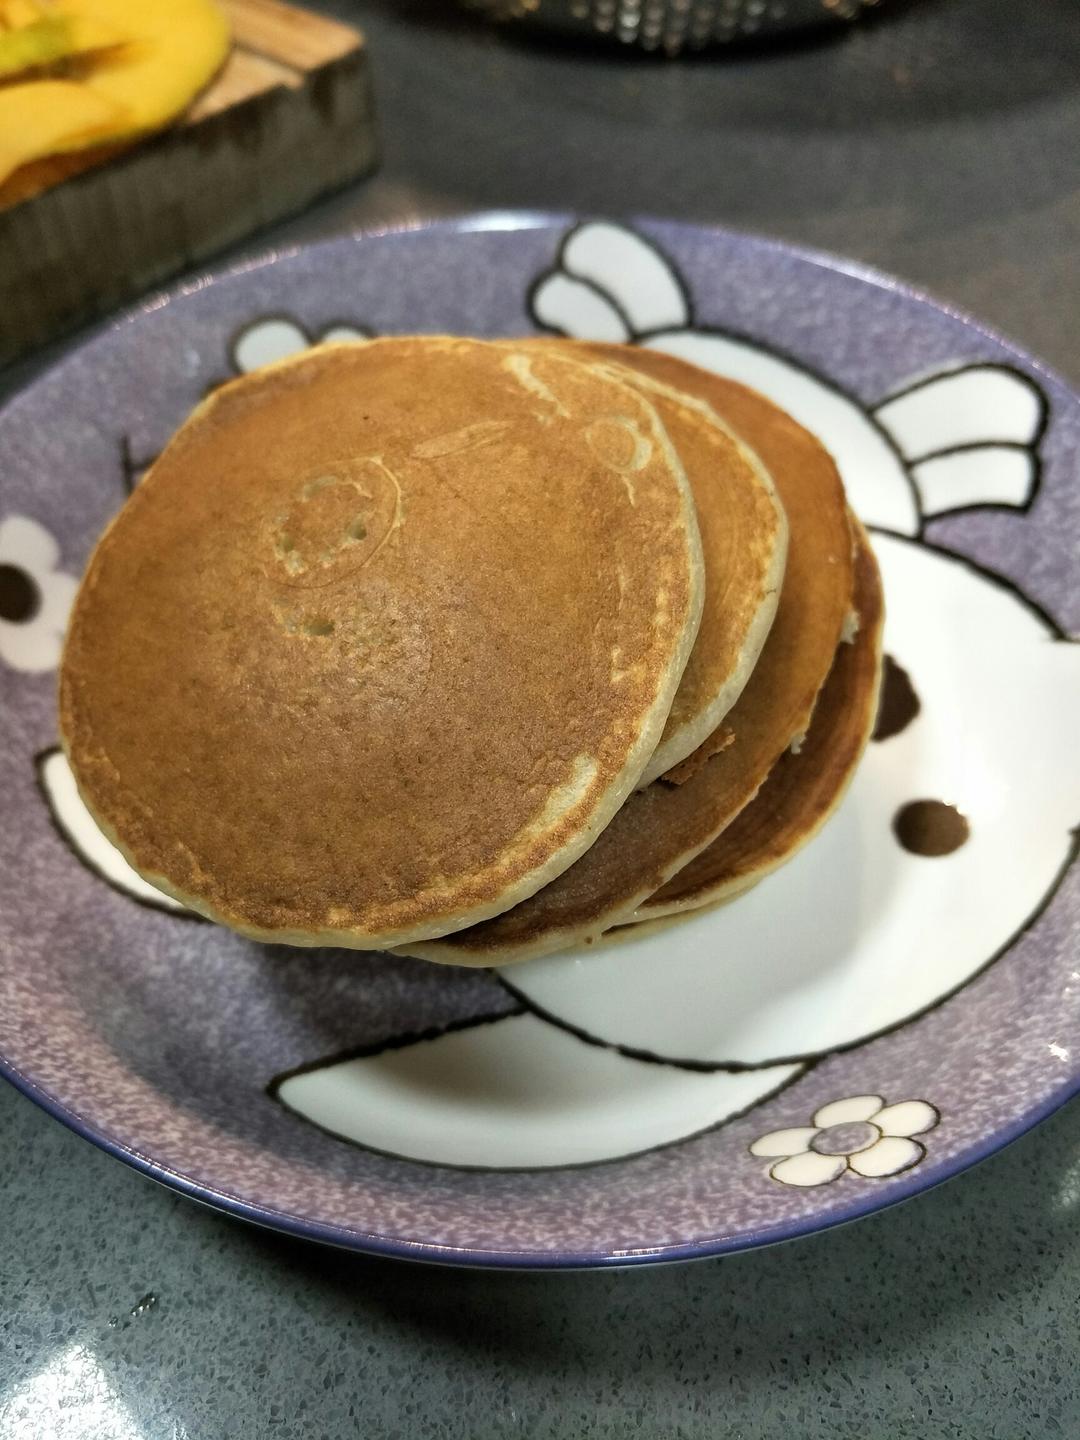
x=661, y=828
x=804, y=788
x=743, y=541
x=384, y=638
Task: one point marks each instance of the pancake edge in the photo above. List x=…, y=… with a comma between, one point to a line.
x=608, y=801
x=726, y=892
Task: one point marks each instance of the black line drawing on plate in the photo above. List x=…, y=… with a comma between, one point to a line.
x=858, y=1135
x=965, y=437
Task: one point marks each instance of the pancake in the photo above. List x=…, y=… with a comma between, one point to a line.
x=660, y=829
x=383, y=639
x=743, y=541
x=804, y=788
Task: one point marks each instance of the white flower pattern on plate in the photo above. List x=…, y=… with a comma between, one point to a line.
x=35, y=597
x=861, y=1134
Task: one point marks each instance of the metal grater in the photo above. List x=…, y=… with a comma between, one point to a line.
x=672, y=25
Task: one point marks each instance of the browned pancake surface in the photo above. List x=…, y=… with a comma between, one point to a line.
x=383, y=639
x=662, y=827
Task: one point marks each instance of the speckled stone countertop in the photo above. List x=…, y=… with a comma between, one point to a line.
x=939, y=142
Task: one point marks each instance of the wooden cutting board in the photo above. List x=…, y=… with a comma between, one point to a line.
x=288, y=118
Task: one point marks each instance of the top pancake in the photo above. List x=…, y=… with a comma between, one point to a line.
x=383, y=639
x=663, y=827
x=743, y=541
x=805, y=787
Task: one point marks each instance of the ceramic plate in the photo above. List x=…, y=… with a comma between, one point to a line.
x=867, y=1022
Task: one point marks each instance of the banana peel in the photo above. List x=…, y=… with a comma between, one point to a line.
x=52, y=38
x=156, y=56
x=14, y=13
x=172, y=48
x=49, y=116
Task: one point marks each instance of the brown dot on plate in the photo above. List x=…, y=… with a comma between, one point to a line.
x=20, y=598
x=930, y=827
x=898, y=704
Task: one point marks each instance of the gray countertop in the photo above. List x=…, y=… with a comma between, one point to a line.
x=942, y=142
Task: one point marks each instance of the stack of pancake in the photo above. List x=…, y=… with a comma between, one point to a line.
x=472, y=649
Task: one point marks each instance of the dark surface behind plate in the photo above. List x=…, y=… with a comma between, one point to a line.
x=957, y=1315
x=940, y=145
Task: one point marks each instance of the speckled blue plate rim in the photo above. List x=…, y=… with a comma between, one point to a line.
x=924, y=1178
x=510, y=220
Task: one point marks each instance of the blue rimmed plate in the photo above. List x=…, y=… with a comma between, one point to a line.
x=883, y=1012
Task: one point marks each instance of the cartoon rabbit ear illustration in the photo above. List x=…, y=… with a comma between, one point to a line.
x=276, y=337
x=81, y=832
x=609, y=284
x=970, y=437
